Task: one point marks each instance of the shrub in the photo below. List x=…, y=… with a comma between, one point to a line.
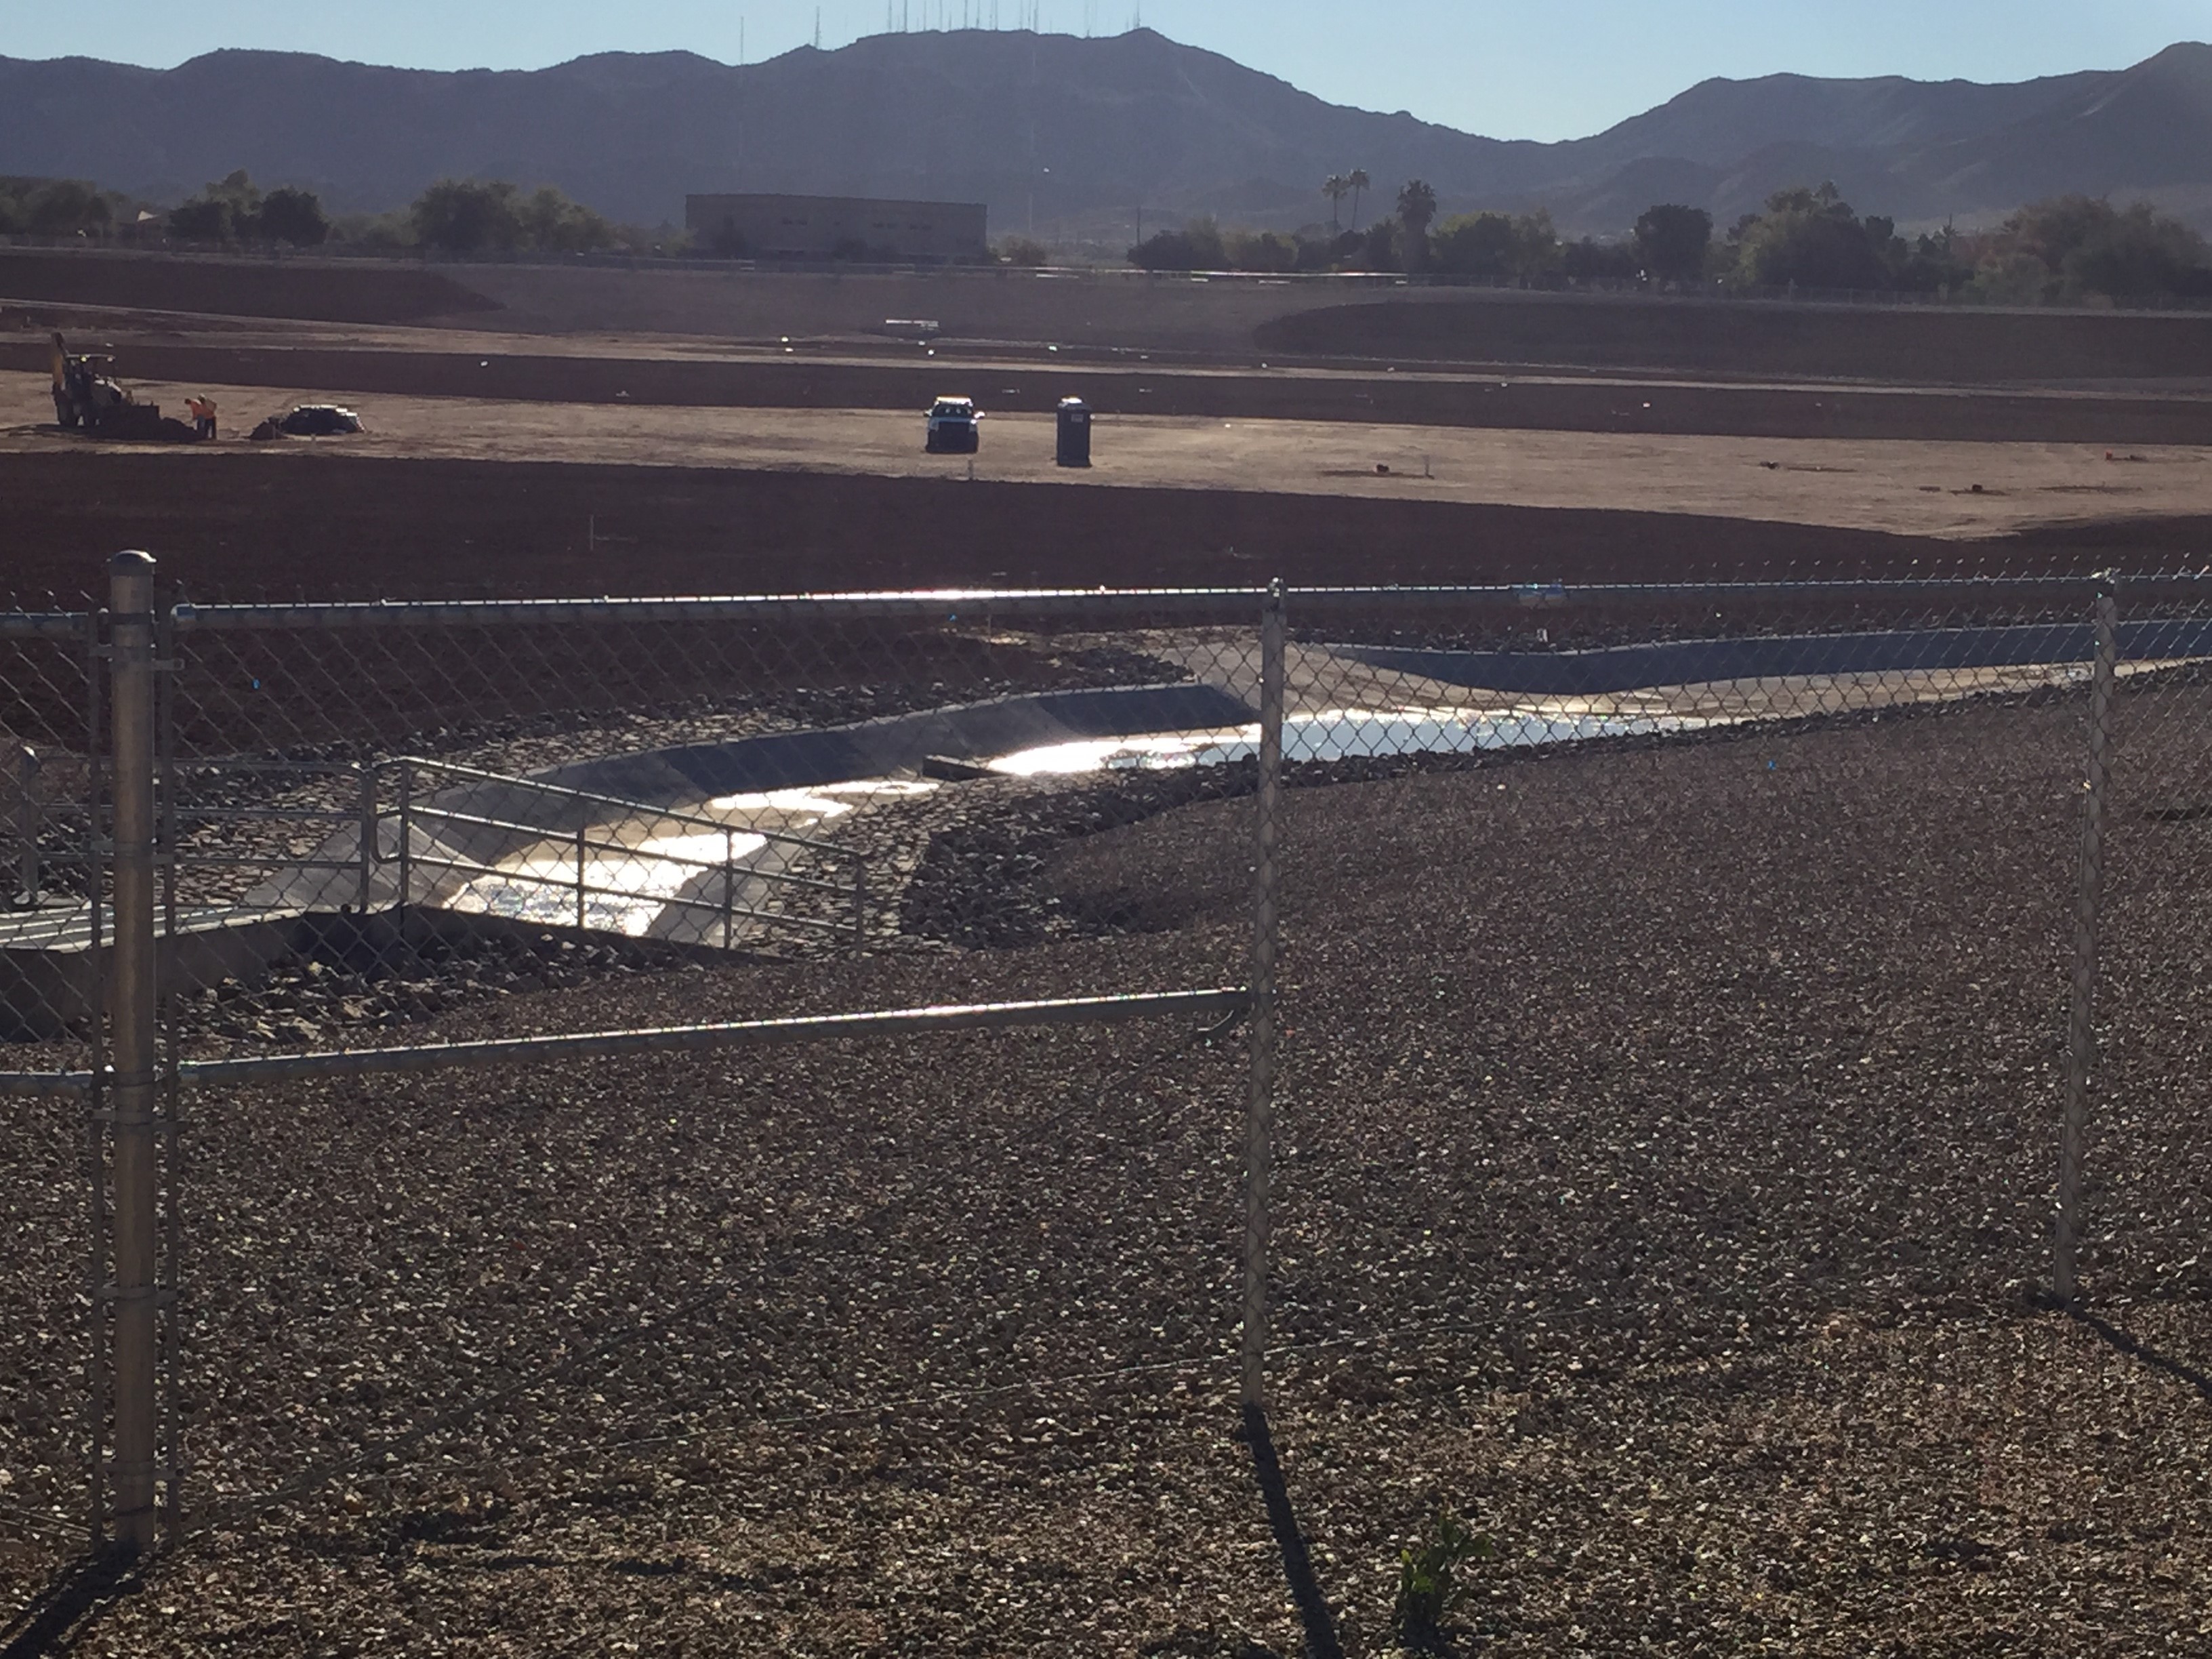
x=62, y=207
x=2091, y=247
x=1672, y=242
x=1497, y=245
x=1196, y=246
x=1262, y=250
x=1021, y=251
x=468, y=215
x=1590, y=260
x=554, y=224
x=464, y=216
x=1429, y=1591
x=296, y=216
x=236, y=211
x=1812, y=238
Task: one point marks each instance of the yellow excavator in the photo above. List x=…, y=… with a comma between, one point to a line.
x=87, y=399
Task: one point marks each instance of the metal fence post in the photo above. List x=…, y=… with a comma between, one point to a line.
x=2080, y=1033
x=132, y=1017
x=168, y=1274
x=1260, y=1128
x=369, y=836
x=583, y=833
x=406, y=888
x=96, y=1348
x=729, y=884
x=28, y=828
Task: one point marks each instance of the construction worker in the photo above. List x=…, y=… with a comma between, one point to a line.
x=203, y=410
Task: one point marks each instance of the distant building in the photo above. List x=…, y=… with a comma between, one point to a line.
x=836, y=228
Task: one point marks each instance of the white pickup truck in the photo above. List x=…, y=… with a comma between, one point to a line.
x=953, y=428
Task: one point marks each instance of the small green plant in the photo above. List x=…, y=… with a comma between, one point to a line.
x=1429, y=1591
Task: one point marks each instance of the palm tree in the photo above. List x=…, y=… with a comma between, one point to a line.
x=1336, y=187
x=1360, y=183
x=1417, y=211
x=1417, y=205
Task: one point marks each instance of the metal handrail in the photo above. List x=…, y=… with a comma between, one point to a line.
x=580, y=839
x=584, y=890
x=408, y=810
x=411, y=764
x=372, y=817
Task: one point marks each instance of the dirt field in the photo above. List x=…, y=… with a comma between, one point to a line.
x=859, y=374
x=1959, y=490
x=448, y=495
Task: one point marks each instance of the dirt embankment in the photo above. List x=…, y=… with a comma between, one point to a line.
x=1227, y=319
x=323, y=292
x=232, y=526
x=1555, y=405
x=1909, y=345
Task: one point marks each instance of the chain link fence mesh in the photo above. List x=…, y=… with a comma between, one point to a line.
x=2148, y=1169
x=1697, y=972
x=1666, y=974
x=637, y=786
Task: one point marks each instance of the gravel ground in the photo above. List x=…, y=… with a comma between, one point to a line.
x=1663, y=1185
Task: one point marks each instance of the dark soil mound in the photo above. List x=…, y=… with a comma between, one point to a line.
x=1909, y=345
x=309, y=292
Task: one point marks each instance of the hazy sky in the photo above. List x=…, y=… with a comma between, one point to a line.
x=1511, y=69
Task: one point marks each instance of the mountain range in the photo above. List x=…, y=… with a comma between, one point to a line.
x=1082, y=136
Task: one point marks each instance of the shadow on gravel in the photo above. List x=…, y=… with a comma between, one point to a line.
x=54, y=1615
x=2133, y=1346
x=1298, y=1562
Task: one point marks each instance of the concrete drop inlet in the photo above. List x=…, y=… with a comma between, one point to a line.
x=506, y=843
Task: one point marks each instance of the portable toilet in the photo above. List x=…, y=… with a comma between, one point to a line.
x=1074, y=432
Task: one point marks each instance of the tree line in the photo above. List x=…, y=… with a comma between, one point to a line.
x=62, y=207
x=454, y=215
x=2070, y=249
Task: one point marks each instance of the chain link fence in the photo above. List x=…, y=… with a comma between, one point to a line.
x=1663, y=971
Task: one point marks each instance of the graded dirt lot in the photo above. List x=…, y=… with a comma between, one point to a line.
x=848, y=374
x=611, y=459
x=446, y=495
x=1960, y=491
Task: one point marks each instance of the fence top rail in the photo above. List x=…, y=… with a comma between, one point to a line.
x=933, y=606
x=42, y=624
x=941, y=605
x=1523, y=593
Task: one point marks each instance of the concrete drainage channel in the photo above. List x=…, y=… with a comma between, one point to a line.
x=720, y=846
